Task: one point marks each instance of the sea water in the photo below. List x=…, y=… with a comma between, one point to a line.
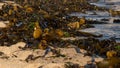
x=107, y=30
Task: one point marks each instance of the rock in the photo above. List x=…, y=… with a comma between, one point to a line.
x=74, y=38
x=87, y=34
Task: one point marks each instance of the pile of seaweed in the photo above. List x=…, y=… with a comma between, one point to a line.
x=25, y=16
x=44, y=23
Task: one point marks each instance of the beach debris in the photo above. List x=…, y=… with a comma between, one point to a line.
x=43, y=45
x=90, y=65
x=29, y=58
x=55, y=52
x=3, y=56
x=46, y=51
x=1, y=53
x=77, y=50
x=71, y=65
x=27, y=21
x=39, y=26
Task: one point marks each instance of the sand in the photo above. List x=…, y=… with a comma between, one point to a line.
x=14, y=57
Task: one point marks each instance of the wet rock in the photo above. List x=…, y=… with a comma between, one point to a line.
x=86, y=34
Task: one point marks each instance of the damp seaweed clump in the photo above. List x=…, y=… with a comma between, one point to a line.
x=43, y=23
x=29, y=20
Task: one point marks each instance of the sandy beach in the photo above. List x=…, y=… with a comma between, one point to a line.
x=14, y=57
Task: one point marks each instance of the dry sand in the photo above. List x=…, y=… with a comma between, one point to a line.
x=3, y=24
x=14, y=57
x=1, y=5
